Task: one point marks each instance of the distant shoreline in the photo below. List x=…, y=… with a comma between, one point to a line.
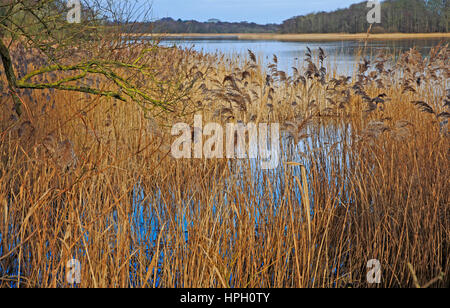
x=295, y=37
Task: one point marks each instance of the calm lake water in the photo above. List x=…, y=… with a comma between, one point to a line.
x=341, y=54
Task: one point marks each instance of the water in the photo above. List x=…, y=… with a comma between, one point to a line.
x=341, y=54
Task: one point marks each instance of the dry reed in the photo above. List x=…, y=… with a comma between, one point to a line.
x=93, y=179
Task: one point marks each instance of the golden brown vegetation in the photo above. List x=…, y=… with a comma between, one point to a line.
x=364, y=177
x=306, y=37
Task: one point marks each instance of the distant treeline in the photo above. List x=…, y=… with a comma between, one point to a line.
x=408, y=16
x=169, y=25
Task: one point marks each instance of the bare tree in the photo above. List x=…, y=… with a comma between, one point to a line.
x=75, y=53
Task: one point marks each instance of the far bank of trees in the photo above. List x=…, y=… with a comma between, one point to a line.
x=408, y=16
x=169, y=25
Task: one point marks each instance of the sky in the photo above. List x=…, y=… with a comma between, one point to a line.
x=259, y=11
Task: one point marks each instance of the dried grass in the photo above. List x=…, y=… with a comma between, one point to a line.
x=369, y=183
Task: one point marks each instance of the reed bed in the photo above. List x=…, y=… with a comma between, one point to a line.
x=364, y=175
x=301, y=37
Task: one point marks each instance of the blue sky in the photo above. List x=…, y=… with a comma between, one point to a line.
x=259, y=11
